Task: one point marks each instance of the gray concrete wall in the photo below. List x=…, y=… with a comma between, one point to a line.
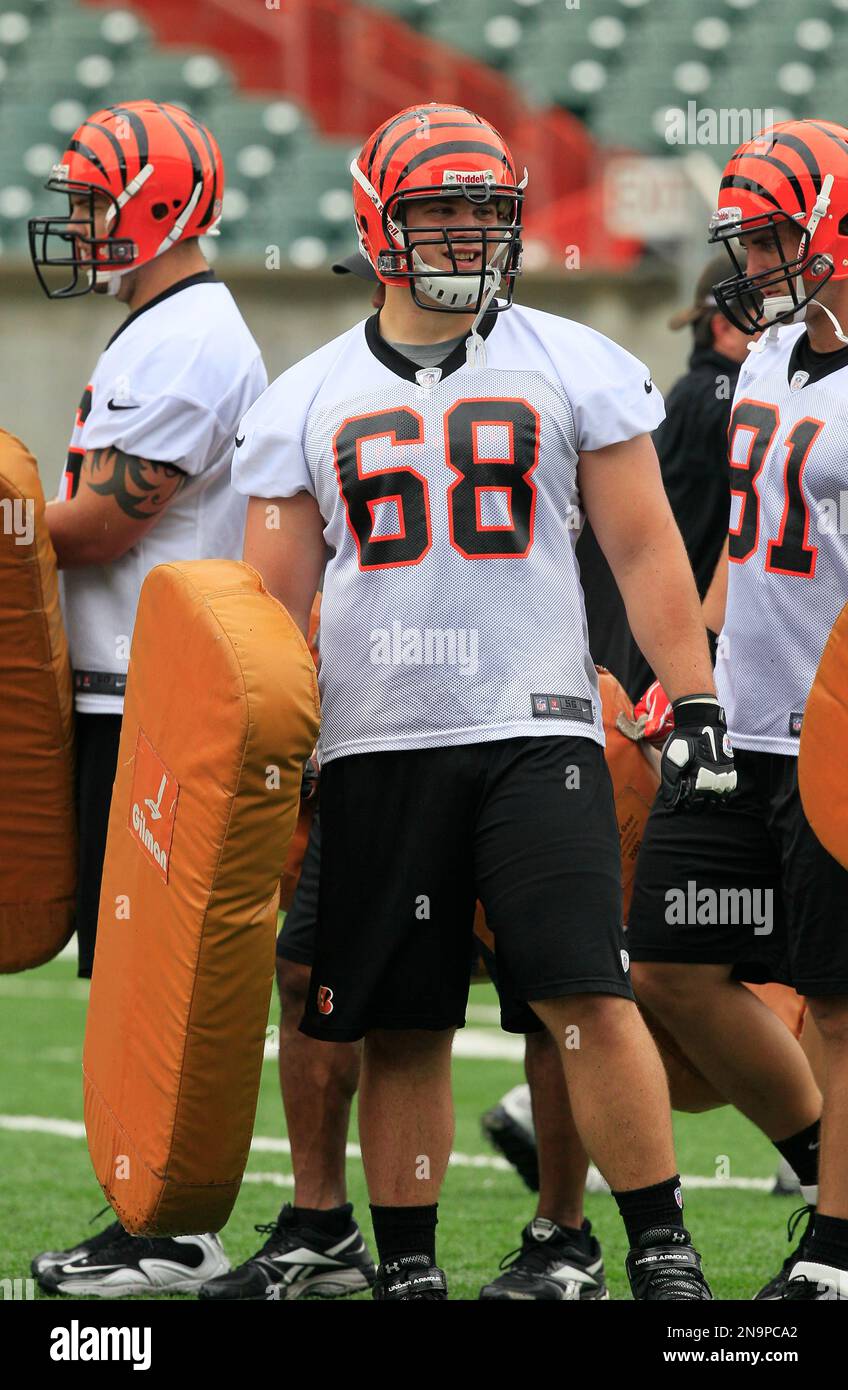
x=48, y=349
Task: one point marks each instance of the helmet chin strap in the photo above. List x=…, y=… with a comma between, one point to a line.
x=475, y=345
x=837, y=326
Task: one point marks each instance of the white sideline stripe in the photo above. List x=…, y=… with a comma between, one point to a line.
x=480, y=1044
x=22, y=986
x=74, y=1129
x=272, y=1179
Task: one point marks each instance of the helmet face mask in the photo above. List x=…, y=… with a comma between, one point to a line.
x=742, y=297
x=793, y=175
x=424, y=155
x=160, y=175
x=50, y=236
x=454, y=289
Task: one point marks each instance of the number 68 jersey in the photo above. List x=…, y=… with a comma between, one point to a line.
x=788, y=542
x=452, y=611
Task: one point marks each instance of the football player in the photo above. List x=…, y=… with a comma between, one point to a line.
x=783, y=217
x=444, y=452
x=146, y=481
x=314, y=1247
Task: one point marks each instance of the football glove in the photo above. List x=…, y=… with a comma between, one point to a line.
x=310, y=781
x=659, y=720
x=697, y=759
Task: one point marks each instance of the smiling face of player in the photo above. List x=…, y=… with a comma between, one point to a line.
x=401, y=319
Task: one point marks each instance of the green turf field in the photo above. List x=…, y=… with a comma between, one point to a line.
x=49, y=1193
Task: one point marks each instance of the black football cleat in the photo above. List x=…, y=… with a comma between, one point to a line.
x=776, y=1287
x=551, y=1265
x=48, y=1258
x=138, y=1265
x=408, y=1277
x=665, y=1267
x=297, y=1262
x=508, y=1126
x=816, y=1283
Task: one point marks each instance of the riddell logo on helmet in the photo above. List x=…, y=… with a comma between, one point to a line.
x=153, y=805
x=472, y=176
x=723, y=216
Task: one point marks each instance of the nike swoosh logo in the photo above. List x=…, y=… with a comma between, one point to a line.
x=239, y=441
x=112, y=406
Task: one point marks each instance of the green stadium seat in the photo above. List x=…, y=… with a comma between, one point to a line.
x=186, y=78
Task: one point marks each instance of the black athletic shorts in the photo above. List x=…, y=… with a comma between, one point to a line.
x=746, y=884
x=97, y=739
x=296, y=941
x=410, y=840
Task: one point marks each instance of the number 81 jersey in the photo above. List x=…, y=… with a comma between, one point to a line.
x=452, y=610
x=788, y=540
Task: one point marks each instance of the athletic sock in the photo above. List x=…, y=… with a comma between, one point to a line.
x=801, y=1152
x=828, y=1244
x=643, y=1208
x=405, y=1231
x=330, y=1221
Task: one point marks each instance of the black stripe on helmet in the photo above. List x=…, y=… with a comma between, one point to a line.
x=455, y=147
x=411, y=116
x=410, y=135
x=204, y=135
x=750, y=186
x=138, y=128
x=791, y=179
x=837, y=139
x=194, y=153
x=88, y=153
x=116, y=146
x=793, y=142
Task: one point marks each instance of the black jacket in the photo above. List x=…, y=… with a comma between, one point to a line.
x=692, y=446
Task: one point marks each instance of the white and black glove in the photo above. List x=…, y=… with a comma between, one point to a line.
x=697, y=759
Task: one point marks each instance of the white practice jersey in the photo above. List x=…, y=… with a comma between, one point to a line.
x=170, y=387
x=788, y=572
x=452, y=610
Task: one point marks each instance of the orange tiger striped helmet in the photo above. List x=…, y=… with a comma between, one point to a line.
x=162, y=174
x=794, y=172
x=427, y=153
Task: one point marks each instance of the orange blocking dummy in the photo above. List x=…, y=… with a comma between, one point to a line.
x=824, y=735
x=37, y=823
x=221, y=711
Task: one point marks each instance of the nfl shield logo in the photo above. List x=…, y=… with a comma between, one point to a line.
x=428, y=377
x=799, y=379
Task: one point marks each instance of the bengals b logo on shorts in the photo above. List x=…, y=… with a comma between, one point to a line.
x=325, y=1000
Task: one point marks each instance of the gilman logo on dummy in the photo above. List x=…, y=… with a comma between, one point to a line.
x=153, y=805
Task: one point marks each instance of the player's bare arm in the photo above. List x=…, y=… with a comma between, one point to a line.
x=715, y=599
x=284, y=542
x=120, y=498
x=625, y=502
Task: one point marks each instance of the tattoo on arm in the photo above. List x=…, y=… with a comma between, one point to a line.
x=141, y=488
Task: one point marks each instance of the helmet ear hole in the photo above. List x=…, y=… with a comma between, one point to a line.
x=160, y=210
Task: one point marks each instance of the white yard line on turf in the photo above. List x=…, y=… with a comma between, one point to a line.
x=479, y=1044
x=74, y=1129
